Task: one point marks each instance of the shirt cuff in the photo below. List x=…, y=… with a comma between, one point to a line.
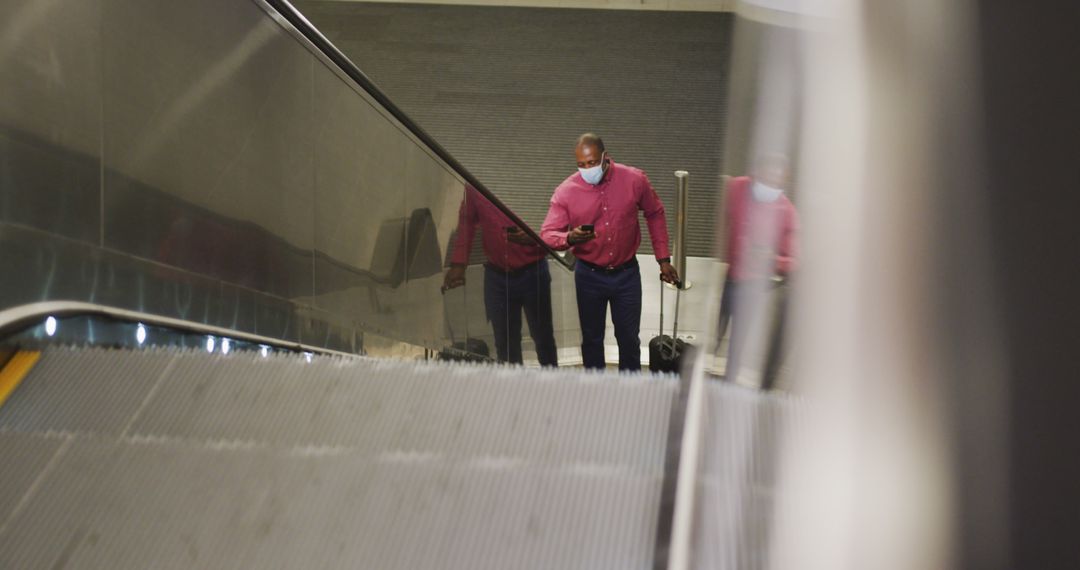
x=663, y=260
x=561, y=243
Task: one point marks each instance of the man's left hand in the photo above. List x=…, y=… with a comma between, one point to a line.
x=668, y=274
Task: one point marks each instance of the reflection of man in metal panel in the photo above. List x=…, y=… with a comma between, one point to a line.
x=595, y=213
x=762, y=250
x=516, y=279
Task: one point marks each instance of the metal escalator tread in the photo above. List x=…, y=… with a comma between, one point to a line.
x=250, y=462
x=737, y=503
x=82, y=391
x=24, y=457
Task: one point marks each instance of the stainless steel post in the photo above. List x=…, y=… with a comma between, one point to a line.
x=682, y=201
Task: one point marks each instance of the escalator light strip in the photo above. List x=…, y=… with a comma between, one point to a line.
x=15, y=370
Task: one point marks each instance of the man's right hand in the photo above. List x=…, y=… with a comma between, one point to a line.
x=519, y=237
x=578, y=235
x=455, y=277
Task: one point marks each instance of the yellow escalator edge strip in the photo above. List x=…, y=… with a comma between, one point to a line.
x=15, y=370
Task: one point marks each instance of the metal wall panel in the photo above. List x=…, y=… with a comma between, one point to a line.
x=50, y=116
x=359, y=237
x=217, y=168
x=359, y=173
x=207, y=141
x=508, y=89
x=433, y=191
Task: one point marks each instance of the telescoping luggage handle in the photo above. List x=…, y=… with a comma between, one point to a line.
x=675, y=326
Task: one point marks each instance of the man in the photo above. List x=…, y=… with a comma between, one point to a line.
x=594, y=213
x=762, y=251
x=516, y=279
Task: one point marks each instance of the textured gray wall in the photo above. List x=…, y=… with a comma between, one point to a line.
x=507, y=90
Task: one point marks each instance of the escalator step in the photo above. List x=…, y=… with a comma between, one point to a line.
x=180, y=459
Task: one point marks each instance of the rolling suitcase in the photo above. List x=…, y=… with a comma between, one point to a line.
x=666, y=352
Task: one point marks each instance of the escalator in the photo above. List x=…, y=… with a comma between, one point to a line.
x=170, y=458
x=225, y=316
x=182, y=458
x=220, y=310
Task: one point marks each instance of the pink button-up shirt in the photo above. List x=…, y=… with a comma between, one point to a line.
x=477, y=212
x=761, y=236
x=612, y=207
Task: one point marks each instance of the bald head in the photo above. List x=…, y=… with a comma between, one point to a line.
x=773, y=170
x=589, y=150
x=590, y=139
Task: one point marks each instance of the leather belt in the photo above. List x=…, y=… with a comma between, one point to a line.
x=512, y=272
x=609, y=270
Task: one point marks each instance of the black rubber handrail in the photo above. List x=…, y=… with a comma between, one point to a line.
x=309, y=31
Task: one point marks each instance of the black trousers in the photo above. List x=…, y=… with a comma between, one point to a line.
x=506, y=297
x=741, y=305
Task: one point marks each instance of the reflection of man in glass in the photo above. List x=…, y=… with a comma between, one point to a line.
x=762, y=248
x=516, y=279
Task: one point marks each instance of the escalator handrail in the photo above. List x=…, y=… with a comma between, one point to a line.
x=14, y=319
x=313, y=35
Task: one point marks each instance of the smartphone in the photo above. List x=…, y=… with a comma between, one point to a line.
x=587, y=227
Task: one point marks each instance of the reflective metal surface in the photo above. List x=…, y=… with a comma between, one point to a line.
x=682, y=204
x=208, y=143
x=230, y=175
x=50, y=116
x=360, y=203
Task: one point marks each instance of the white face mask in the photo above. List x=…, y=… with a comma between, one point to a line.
x=765, y=193
x=595, y=174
